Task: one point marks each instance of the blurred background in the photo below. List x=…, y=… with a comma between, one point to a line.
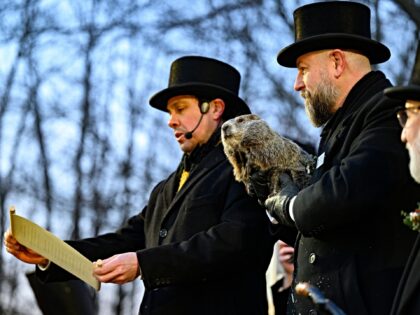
x=80, y=148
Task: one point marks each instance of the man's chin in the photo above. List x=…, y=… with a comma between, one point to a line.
x=186, y=147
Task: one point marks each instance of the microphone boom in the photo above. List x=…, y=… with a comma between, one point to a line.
x=189, y=134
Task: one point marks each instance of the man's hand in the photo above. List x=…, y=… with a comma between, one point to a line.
x=119, y=269
x=259, y=186
x=285, y=258
x=21, y=252
x=278, y=205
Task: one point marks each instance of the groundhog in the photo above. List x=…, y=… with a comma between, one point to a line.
x=251, y=145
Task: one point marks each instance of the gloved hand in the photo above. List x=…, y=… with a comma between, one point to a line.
x=259, y=186
x=278, y=205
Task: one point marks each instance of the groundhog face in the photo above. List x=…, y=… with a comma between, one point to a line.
x=242, y=137
x=244, y=132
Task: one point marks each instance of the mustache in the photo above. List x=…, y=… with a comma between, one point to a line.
x=305, y=94
x=179, y=129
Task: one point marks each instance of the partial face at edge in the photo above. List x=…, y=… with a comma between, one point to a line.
x=411, y=135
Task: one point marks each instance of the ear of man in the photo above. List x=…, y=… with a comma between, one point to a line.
x=338, y=60
x=217, y=108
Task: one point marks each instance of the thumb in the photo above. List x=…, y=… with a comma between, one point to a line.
x=271, y=202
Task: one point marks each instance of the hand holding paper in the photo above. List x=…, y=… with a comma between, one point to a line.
x=33, y=244
x=22, y=252
x=119, y=269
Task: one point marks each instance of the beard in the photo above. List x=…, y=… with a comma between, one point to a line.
x=319, y=105
x=414, y=152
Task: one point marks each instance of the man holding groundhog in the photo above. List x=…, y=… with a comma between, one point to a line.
x=351, y=243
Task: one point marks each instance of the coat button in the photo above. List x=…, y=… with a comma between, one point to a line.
x=312, y=258
x=163, y=233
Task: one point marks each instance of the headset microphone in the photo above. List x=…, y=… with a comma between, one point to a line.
x=204, y=108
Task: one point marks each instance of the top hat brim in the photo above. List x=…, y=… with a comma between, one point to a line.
x=235, y=105
x=375, y=51
x=403, y=93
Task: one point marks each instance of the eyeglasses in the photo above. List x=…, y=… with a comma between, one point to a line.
x=405, y=113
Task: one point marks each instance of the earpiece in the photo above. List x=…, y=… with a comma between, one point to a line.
x=204, y=107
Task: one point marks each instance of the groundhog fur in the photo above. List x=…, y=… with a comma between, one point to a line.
x=251, y=145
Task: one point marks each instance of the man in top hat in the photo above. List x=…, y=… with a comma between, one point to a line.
x=407, y=299
x=351, y=242
x=201, y=245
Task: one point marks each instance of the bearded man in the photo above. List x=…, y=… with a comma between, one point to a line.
x=351, y=242
x=407, y=298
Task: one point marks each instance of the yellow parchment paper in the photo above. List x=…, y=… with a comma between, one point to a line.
x=51, y=247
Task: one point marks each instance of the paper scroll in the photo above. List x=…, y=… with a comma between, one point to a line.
x=51, y=247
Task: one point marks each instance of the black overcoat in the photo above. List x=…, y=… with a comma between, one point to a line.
x=203, y=250
x=407, y=299
x=352, y=243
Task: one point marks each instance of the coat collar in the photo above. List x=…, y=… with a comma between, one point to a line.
x=202, y=162
x=363, y=91
x=191, y=161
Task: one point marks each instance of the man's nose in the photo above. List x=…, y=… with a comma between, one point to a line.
x=299, y=85
x=173, y=121
x=403, y=136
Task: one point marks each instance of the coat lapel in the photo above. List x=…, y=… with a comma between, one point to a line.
x=335, y=129
x=214, y=157
x=170, y=190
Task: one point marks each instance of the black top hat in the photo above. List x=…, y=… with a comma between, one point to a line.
x=330, y=25
x=205, y=78
x=407, y=92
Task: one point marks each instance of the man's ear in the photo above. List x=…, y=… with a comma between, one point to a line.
x=218, y=108
x=338, y=60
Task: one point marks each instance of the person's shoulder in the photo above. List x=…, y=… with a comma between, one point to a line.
x=380, y=104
